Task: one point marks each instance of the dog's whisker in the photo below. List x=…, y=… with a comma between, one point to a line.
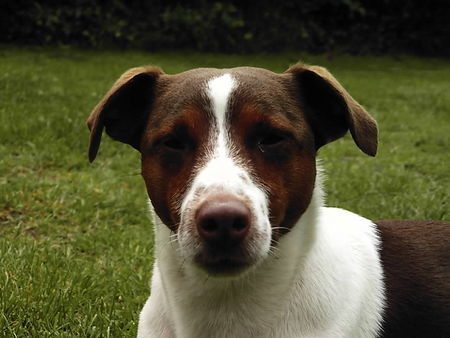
x=274, y=252
x=273, y=247
x=280, y=228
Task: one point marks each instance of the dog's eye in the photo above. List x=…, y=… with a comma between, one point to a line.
x=174, y=143
x=270, y=140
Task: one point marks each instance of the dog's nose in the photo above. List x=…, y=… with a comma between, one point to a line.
x=223, y=220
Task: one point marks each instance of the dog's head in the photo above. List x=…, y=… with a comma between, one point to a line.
x=228, y=156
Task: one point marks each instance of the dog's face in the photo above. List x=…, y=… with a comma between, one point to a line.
x=228, y=156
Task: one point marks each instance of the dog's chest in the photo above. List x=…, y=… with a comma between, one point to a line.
x=239, y=310
x=297, y=293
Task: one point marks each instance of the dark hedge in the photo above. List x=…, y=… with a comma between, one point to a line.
x=355, y=26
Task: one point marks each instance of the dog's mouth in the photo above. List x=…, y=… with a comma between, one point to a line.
x=222, y=266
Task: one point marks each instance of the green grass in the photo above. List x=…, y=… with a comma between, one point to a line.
x=76, y=243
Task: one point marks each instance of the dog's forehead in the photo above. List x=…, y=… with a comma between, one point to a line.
x=205, y=87
x=244, y=74
x=249, y=81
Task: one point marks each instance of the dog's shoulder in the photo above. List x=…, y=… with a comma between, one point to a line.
x=343, y=265
x=351, y=244
x=347, y=227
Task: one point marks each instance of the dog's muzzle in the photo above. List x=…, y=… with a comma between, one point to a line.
x=223, y=222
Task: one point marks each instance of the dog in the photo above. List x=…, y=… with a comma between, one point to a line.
x=244, y=244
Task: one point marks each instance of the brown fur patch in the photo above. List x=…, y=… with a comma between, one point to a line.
x=286, y=169
x=124, y=109
x=416, y=262
x=331, y=110
x=167, y=172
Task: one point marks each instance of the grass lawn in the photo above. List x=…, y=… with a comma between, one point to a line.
x=76, y=242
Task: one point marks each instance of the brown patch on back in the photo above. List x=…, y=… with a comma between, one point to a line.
x=416, y=262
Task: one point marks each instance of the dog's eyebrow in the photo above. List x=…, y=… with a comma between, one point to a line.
x=256, y=118
x=187, y=122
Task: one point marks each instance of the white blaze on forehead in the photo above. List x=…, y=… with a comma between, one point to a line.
x=222, y=169
x=219, y=92
x=223, y=172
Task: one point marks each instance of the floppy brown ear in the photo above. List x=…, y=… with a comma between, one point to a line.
x=124, y=109
x=331, y=111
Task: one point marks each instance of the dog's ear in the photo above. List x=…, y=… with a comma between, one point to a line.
x=124, y=109
x=331, y=111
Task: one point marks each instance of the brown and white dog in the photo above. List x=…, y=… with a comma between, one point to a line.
x=244, y=245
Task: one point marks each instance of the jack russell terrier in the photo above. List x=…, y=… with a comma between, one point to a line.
x=244, y=244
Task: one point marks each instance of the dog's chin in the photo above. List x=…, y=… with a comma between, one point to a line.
x=225, y=264
x=226, y=267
